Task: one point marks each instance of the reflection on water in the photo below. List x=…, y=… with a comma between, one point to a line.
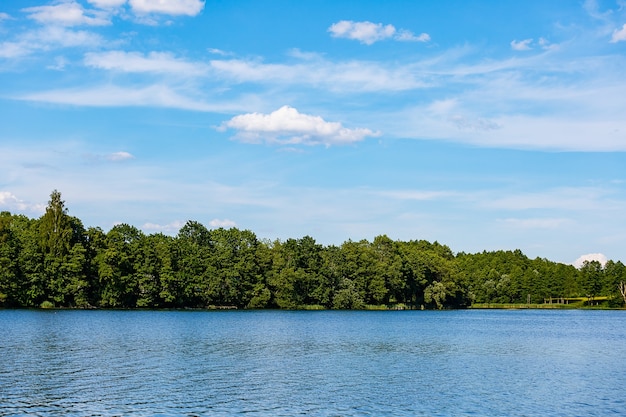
x=107, y=363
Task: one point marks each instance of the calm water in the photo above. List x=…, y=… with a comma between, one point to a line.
x=414, y=363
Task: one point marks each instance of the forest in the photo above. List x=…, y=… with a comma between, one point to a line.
x=54, y=261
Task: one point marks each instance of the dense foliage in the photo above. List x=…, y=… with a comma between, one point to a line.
x=55, y=261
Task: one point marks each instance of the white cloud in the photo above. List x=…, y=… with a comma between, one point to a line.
x=172, y=227
x=365, y=32
x=404, y=35
x=352, y=76
x=157, y=62
x=546, y=45
x=66, y=14
x=107, y=4
x=415, y=195
x=156, y=95
x=4, y=16
x=217, y=51
x=368, y=32
x=119, y=156
x=112, y=96
x=46, y=39
x=225, y=223
x=521, y=45
x=568, y=199
x=619, y=34
x=9, y=202
x=529, y=44
x=169, y=7
x=13, y=49
x=473, y=124
x=61, y=37
x=590, y=257
x=59, y=64
x=536, y=223
x=288, y=126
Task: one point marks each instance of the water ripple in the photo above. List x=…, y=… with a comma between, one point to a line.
x=107, y=363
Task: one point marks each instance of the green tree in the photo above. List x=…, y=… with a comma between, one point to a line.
x=614, y=274
x=62, y=240
x=591, y=275
x=192, y=267
x=235, y=270
x=9, y=269
x=118, y=265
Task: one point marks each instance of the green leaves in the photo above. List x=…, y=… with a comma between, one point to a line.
x=53, y=260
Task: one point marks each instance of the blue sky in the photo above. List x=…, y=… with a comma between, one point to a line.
x=482, y=125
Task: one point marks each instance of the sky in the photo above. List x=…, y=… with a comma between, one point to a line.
x=480, y=125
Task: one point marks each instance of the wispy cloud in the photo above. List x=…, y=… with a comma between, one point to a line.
x=287, y=126
x=120, y=156
x=529, y=44
x=48, y=38
x=136, y=62
x=568, y=199
x=536, y=223
x=369, y=33
x=66, y=14
x=115, y=96
x=347, y=76
x=521, y=45
x=416, y=195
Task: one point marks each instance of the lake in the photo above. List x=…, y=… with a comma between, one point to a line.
x=317, y=363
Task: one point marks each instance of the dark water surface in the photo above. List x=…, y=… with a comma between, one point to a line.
x=281, y=363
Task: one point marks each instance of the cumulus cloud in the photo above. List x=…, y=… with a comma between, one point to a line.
x=368, y=32
x=10, y=202
x=521, y=45
x=590, y=257
x=225, y=223
x=170, y=7
x=66, y=14
x=4, y=16
x=288, y=126
x=619, y=34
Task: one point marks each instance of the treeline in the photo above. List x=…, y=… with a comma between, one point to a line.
x=55, y=261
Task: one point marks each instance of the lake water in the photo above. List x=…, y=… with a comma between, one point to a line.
x=323, y=363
